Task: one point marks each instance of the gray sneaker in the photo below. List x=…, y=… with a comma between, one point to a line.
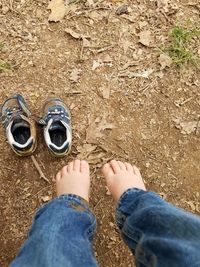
x=19, y=126
x=56, y=122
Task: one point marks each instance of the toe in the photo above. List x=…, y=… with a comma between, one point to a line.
x=84, y=166
x=129, y=167
x=77, y=165
x=64, y=171
x=70, y=166
x=122, y=166
x=58, y=176
x=115, y=166
x=107, y=170
x=137, y=171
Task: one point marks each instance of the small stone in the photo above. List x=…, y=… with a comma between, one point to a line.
x=5, y=9
x=147, y=164
x=45, y=198
x=113, y=238
x=123, y=9
x=107, y=191
x=191, y=204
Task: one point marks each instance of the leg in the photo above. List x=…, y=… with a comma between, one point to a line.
x=63, y=229
x=157, y=233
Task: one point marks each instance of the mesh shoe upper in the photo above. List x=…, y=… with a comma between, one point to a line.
x=57, y=127
x=20, y=128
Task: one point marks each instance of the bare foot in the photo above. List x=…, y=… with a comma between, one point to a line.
x=120, y=177
x=74, y=179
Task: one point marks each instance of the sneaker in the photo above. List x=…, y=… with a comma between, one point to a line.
x=57, y=127
x=20, y=128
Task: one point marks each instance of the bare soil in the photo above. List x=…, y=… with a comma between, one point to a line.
x=152, y=122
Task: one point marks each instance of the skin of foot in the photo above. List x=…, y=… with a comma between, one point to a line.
x=121, y=176
x=74, y=178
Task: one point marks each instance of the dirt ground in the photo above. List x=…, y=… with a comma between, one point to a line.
x=123, y=106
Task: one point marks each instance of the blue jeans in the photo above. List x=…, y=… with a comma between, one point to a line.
x=157, y=233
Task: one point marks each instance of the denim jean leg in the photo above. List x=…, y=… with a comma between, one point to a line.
x=61, y=236
x=158, y=233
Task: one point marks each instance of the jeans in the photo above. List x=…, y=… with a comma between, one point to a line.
x=157, y=233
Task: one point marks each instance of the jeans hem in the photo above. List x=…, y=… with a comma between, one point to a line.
x=126, y=194
x=70, y=198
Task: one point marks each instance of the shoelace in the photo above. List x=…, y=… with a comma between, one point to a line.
x=56, y=113
x=10, y=114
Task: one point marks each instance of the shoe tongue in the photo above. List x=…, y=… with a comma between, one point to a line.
x=56, y=125
x=19, y=122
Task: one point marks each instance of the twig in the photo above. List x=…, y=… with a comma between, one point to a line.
x=97, y=204
x=166, y=17
x=100, y=49
x=10, y=169
x=81, y=53
x=186, y=101
x=2, y=233
x=108, y=251
x=11, y=4
x=75, y=93
x=99, y=8
x=42, y=176
x=197, y=127
x=40, y=191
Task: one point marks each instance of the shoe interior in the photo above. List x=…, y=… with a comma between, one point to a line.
x=58, y=133
x=21, y=132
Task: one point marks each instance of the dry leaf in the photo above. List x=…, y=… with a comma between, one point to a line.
x=165, y=61
x=58, y=10
x=96, y=128
x=145, y=38
x=86, y=43
x=75, y=75
x=73, y=33
x=126, y=44
x=71, y=8
x=188, y=127
x=143, y=74
x=164, y=4
x=96, y=64
x=90, y=2
x=185, y=127
x=95, y=158
x=107, y=59
x=85, y=150
x=76, y=35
